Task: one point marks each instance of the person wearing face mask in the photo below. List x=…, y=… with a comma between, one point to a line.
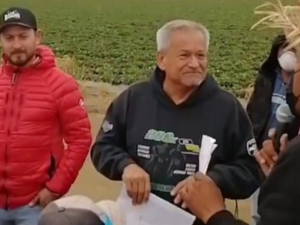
x=269, y=93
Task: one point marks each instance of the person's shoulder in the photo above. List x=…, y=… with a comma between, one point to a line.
x=228, y=99
x=136, y=89
x=60, y=82
x=140, y=86
x=133, y=91
x=57, y=75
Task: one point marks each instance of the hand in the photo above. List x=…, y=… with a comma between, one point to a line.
x=182, y=185
x=137, y=183
x=43, y=198
x=267, y=156
x=203, y=198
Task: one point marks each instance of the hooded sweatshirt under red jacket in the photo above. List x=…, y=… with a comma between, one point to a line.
x=41, y=107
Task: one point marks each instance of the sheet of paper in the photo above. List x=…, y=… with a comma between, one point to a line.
x=155, y=212
x=207, y=147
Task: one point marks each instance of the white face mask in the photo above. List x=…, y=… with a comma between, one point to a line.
x=287, y=61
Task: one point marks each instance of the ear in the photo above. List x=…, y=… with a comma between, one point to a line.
x=160, y=60
x=39, y=36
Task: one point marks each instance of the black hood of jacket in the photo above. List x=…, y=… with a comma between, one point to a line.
x=205, y=90
x=271, y=63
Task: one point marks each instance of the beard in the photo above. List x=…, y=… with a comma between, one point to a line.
x=20, y=58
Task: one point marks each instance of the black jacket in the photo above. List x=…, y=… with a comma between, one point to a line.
x=279, y=198
x=259, y=106
x=144, y=126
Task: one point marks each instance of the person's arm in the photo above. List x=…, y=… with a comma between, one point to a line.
x=109, y=154
x=76, y=130
x=224, y=217
x=279, y=197
x=253, y=109
x=241, y=176
x=253, y=97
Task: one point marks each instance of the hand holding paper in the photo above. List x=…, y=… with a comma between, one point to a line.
x=155, y=212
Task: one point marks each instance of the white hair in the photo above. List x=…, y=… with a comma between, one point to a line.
x=164, y=33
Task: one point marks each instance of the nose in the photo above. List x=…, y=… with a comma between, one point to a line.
x=193, y=63
x=16, y=44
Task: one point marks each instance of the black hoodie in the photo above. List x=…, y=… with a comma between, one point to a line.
x=143, y=125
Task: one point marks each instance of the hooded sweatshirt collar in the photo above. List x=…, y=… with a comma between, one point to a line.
x=207, y=88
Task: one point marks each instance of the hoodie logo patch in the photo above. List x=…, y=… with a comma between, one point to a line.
x=106, y=126
x=251, y=146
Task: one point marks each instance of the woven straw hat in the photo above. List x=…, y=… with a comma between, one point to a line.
x=285, y=18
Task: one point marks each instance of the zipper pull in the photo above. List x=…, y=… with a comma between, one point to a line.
x=13, y=79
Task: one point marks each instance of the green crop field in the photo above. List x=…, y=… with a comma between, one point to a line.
x=115, y=39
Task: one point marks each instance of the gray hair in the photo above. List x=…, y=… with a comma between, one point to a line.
x=164, y=33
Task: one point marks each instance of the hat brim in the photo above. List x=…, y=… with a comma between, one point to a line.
x=15, y=24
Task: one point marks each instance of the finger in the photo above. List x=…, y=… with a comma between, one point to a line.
x=267, y=158
x=34, y=201
x=271, y=133
x=259, y=158
x=135, y=192
x=128, y=186
x=199, y=176
x=43, y=203
x=178, y=187
x=262, y=163
x=283, y=142
x=184, y=194
x=147, y=189
x=266, y=170
x=268, y=149
x=177, y=199
x=141, y=192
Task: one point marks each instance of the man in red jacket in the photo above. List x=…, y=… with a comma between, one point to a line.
x=45, y=132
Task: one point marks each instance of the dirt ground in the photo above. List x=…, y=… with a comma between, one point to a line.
x=90, y=182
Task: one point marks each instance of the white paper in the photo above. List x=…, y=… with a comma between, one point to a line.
x=155, y=212
x=207, y=147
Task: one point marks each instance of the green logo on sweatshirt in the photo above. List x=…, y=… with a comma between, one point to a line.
x=161, y=136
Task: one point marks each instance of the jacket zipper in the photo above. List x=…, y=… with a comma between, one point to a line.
x=8, y=132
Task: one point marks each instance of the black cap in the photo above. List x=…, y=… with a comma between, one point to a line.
x=18, y=16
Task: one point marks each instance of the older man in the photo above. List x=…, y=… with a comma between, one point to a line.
x=151, y=135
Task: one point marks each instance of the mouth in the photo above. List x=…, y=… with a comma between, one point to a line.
x=193, y=74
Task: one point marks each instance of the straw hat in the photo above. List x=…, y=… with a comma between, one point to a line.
x=285, y=18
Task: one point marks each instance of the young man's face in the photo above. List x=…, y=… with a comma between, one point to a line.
x=19, y=44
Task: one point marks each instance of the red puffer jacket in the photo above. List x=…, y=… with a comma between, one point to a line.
x=40, y=107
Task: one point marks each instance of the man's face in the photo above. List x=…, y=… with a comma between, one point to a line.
x=185, y=61
x=19, y=44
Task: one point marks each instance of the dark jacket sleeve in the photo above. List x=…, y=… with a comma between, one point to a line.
x=254, y=95
x=241, y=176
x=224, y=218
x=108, y=154
x=279, y=197
x=257, y=107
